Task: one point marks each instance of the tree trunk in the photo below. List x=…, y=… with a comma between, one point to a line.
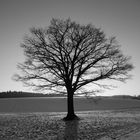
x=70, y=106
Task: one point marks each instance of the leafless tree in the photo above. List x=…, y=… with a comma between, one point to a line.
x=67, y=56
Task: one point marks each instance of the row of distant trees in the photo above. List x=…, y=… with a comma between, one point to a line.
x=127, y=97
x=18, y=94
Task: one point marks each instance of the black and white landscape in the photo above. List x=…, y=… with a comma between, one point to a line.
x=69, y=70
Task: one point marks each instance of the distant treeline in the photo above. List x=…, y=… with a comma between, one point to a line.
x=126, y=97
x=18, y=94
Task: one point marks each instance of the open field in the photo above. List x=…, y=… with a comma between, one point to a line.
x=51, y=104
x=41, y=119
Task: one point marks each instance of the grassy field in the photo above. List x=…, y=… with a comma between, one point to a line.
x=93, y=125
x=60, y=104
x=41, y=119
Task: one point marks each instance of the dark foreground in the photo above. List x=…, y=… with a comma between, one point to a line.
x=93, y=125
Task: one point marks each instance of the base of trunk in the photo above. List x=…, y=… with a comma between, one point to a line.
x=71, y=117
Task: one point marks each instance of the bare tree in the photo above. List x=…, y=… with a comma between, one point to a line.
x=70, y=55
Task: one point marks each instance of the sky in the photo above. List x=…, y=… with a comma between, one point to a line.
x=120, y=18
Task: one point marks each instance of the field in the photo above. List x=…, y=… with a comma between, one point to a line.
x=41, y=119
x=46, y=104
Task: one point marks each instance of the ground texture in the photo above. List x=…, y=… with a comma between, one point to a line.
x=93, y=125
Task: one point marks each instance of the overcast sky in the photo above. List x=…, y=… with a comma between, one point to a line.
x=120, y=18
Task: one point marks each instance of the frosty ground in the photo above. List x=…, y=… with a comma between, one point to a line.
x=119, y=123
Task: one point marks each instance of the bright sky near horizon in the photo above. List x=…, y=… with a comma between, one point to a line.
x=120, y=18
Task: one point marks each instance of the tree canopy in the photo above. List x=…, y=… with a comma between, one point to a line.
x=70, y=55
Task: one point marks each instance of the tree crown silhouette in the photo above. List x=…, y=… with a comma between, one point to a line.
x=70, y=55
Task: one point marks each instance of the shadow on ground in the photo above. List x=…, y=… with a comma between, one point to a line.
x=71, y=130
